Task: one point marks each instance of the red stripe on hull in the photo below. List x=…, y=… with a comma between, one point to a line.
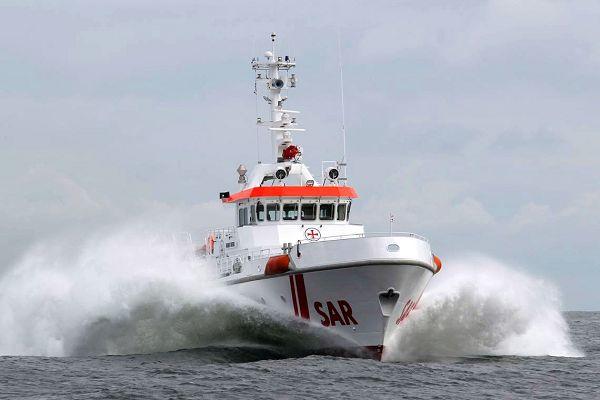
x=293, y=290
x=302, y=300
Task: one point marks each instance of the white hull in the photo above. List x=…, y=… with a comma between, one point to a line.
x=362, y=295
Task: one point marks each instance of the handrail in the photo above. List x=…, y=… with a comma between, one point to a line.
x=367, y=235
x=399, y=234
x=333, y=237
x=226, y=262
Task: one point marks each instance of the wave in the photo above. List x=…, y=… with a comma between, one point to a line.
x=131, y=291
x=478, y=306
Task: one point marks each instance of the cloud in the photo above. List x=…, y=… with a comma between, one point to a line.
x=528, y=215
x=475, y=123
x=463, y=34
x=586, y=206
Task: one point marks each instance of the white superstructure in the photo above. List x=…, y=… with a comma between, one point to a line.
x=294, y=248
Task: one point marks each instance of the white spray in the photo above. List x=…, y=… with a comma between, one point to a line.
x=133, y=291
x=479, y=306
x=130, y=290
x=57, y=290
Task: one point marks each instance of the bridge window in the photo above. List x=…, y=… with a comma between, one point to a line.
x=252, y=214
x=326, y=212
x=290, y=212
x=341, y=211
x=242, y=216
x=273, y=212
x=309, y=212
x=260, y=211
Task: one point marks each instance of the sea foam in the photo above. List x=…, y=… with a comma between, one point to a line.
x=479, y=306
x=132, y=290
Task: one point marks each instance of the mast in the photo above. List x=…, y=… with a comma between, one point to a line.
x=282, y=122
x=344, y=162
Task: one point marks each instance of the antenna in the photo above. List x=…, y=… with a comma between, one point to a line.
x=256, y=105
x=344, y=162
x=257, y=117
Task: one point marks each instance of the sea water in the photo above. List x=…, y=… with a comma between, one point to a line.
x=130, y=314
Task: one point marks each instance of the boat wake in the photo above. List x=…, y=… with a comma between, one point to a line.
x=479, y=307
x=132, y=291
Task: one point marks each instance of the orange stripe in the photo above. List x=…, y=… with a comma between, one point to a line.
x=293, y=191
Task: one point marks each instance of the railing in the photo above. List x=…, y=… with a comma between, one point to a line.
x=333, y=237
x=227, y=263
x=224, y=233
x=399, y=234
x=366, y=235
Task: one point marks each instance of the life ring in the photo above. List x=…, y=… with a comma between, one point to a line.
x=211, y=243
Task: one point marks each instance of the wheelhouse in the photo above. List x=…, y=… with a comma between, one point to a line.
x=264, y=211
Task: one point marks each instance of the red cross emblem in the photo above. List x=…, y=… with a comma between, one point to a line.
x=312, y=234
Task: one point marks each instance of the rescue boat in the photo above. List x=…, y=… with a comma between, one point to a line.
x=294, y=248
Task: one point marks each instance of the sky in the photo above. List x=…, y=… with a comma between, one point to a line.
x=476, y=123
